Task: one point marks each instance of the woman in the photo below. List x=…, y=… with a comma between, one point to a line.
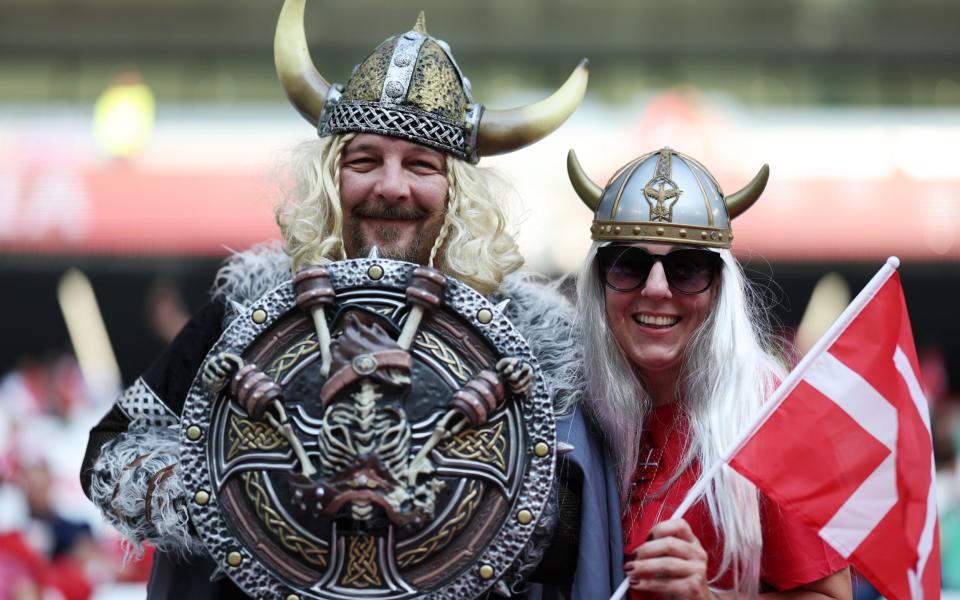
x=677, y=364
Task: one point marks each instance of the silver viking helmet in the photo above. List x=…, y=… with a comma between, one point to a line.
x=411, y=87
x=666, y=197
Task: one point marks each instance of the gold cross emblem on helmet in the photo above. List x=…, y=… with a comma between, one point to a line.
x=661, y=189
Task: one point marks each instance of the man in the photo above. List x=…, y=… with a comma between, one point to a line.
x=393, y=170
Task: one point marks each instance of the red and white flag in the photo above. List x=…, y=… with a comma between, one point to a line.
x=845, y=444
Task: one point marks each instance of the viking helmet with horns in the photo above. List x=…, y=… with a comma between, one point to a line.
x=664, y=196
x=411, y=87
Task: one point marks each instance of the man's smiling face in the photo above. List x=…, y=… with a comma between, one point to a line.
x=393, y=194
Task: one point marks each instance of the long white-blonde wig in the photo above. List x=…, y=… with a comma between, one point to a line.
x=474, y=244
x=728, y=370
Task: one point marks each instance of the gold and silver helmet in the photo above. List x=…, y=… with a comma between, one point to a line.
x=411, y=87
x=666, y=197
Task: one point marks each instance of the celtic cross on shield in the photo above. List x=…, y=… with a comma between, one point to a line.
x=384, y=432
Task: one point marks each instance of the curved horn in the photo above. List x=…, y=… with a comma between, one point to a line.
x=305, y=87
x=505, y=130
x=738, y=202
x=588, y=191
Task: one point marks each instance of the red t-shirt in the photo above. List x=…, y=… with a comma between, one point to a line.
x=793, y=554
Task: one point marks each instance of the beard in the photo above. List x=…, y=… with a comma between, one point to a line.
x=388, y=237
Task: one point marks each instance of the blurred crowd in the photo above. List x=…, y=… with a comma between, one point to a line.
x=53, y=543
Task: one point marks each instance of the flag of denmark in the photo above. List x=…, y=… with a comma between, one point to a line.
x=848, y=448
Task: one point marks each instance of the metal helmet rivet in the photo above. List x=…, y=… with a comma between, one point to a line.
x=394, y=89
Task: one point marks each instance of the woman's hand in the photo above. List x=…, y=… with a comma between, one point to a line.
x=672, y=563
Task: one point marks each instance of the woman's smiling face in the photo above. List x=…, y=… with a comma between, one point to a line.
x=653, y=323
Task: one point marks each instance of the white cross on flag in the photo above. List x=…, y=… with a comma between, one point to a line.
x=848, y=448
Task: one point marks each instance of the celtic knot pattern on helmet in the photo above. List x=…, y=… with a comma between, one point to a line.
x=371, y=117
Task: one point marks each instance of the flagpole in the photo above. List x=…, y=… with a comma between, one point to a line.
x=621, y=590
x=789, y=383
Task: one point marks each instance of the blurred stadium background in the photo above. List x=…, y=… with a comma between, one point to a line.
x=141, y=141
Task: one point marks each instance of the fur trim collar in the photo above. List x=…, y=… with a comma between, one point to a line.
x=247, y=275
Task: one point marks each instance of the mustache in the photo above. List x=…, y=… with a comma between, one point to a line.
x=378, y=210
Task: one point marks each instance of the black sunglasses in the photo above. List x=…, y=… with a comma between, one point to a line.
x=688, y=271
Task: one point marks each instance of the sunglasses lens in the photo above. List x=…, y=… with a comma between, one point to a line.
x=690, y=271
x=625, y=269
x=687, y=271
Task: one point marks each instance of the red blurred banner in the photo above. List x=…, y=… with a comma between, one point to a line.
x=121, y=209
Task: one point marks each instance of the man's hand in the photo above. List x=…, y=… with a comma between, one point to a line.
x=672, y=563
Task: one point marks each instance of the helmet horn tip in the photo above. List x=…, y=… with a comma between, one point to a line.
x=421, y=25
